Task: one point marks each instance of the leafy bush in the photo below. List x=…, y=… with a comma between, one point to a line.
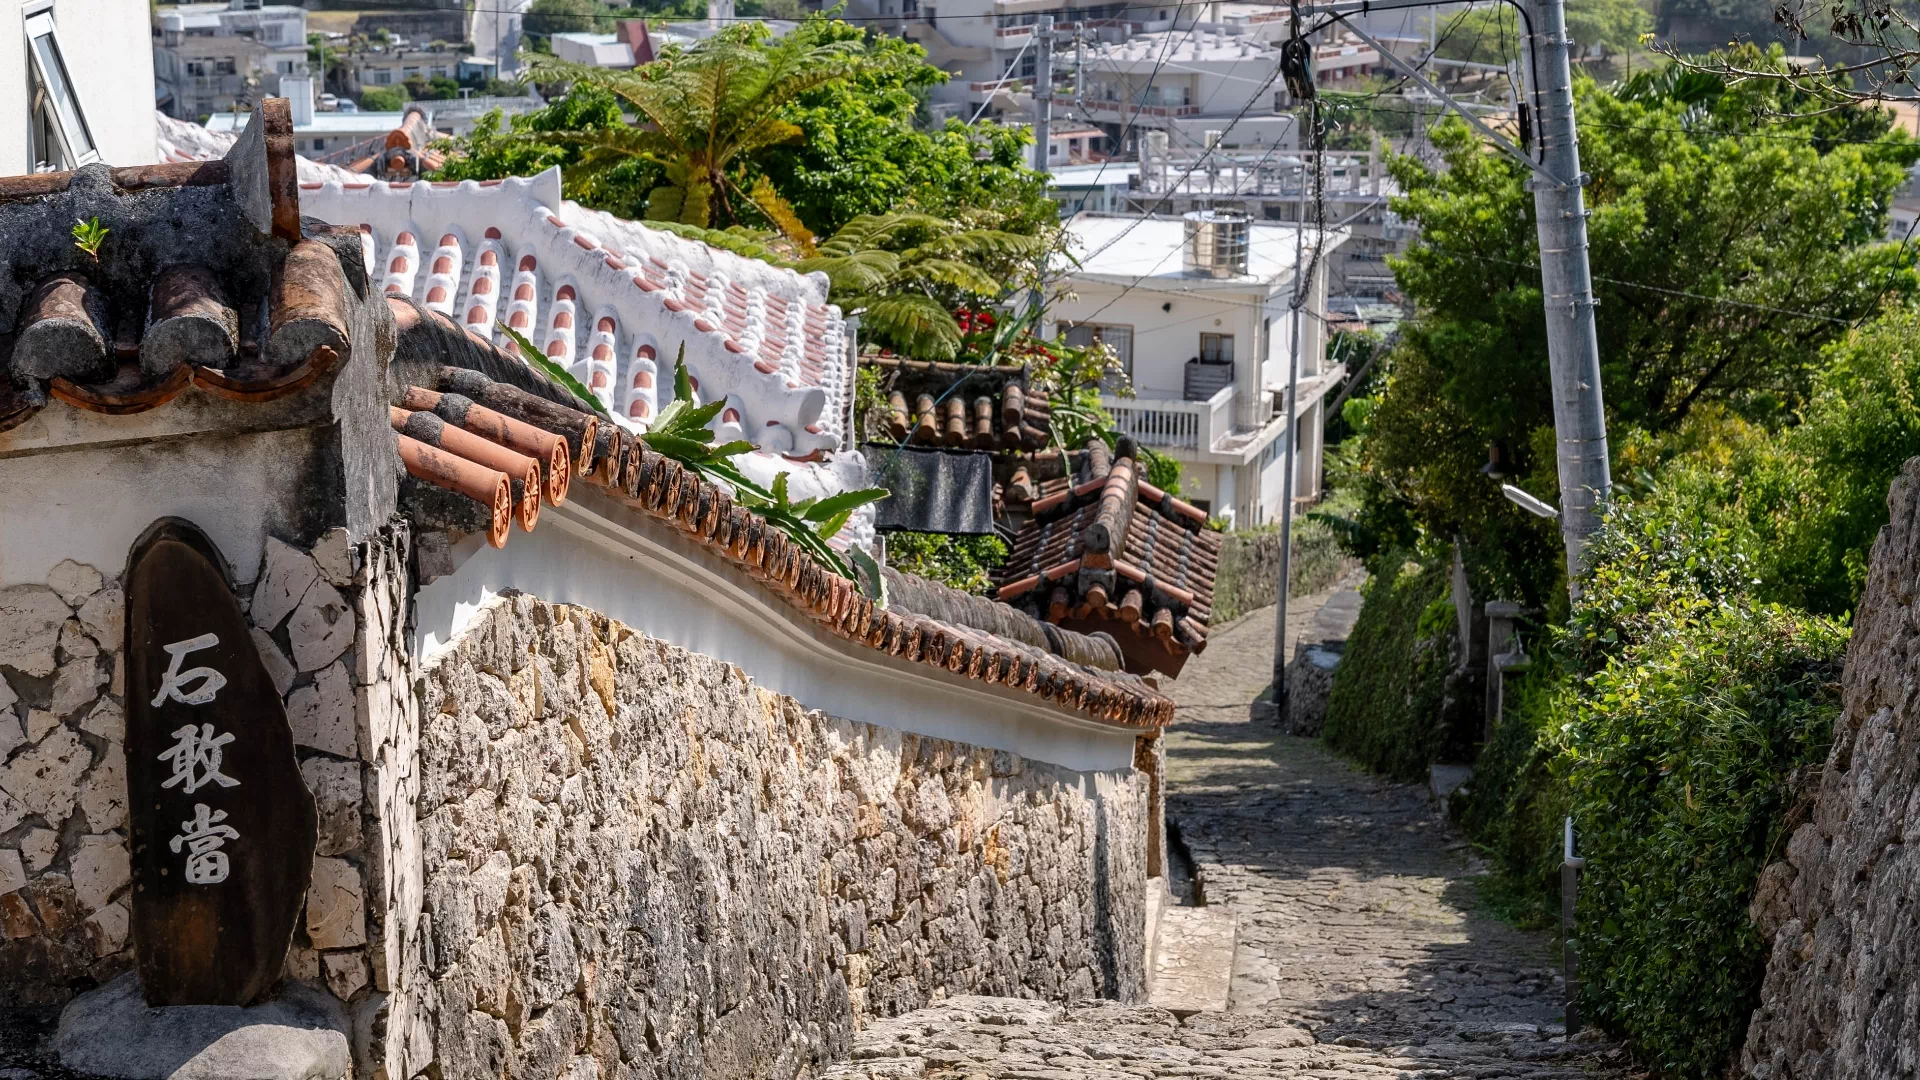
x=1668, y=719
x=963, y=562
x=1514, y=808
x=383, y=98
x=1389, y=692
x=1250, y=560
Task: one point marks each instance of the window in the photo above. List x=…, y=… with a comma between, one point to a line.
x=1216, y=348
x=1117, y=338
x=382, y=77
x=1028, y=67
x=197, y=67
x=225, y=67
x=57, y=128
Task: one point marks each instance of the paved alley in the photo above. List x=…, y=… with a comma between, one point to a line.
x=1361, y=950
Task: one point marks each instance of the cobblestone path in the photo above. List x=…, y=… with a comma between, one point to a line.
x=1361, y=954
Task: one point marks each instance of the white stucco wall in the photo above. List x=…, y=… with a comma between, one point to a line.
x=109, y=52
x=597, y=554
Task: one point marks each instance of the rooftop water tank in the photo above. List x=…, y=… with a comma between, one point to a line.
x=1217, y=243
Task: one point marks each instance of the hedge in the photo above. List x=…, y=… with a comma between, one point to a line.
x=1386, y=709
x=1669, y=721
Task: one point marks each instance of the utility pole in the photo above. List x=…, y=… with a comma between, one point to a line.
x=1573, y=346
x=1042, y=90
x=1573, y=350
x=1276, y=711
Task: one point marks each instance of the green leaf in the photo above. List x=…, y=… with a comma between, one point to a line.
x=538, y=360
x=682, y=383
x=870, y=579
x=737, y=446
x=831, y=526
x=780, y=490
x=845, y=501
x=691, y=422
x=686, y=451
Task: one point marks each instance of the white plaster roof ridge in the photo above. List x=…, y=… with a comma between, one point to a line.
x=613, y=300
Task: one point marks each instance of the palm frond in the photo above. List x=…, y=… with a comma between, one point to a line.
x=860, y=272
x=951, y=273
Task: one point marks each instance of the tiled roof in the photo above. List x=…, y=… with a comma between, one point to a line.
x=206, y=277
x=404, y=154
x=962, y=405
x=183, y=140
x=1114, y=552
x=484, y=454
x=612, y=300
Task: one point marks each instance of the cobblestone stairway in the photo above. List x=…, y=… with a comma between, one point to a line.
x=1361, y=951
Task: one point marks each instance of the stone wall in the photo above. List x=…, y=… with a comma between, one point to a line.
x=640, y=864
x=63, y=855
x=1841, y=998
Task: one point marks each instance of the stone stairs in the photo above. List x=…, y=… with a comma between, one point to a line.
x=1189, y=954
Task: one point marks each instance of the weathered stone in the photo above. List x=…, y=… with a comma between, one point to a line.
x=39, y=847
x=74, y=642
x=30, y=621
x=45, y=778
x=336, y=906
x=346, y=972
x=107, y=720
x=12, y=812
x=104, y=616
x=41, y=723
x=13, y=873
x=100, y=868
x=286, y=573
x=1836, y=1003
x=103, y=795
x=301, y=1035
x=12, y=735
x=337, y=795
x=75, y=581
x=107, y=929
x=322, y=713
x=334, y=555
x=321, y=627
x=8, y=698
x=279, y=668
x=79, y=682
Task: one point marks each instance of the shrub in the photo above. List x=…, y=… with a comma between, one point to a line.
x=962, y=562
x=1678, y=772
x=1389, y=692
x=383, y=98
x=1514, y=808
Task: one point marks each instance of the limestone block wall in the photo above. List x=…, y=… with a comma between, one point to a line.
x=637, y=863
x=1838, y=1001
x=64, y=867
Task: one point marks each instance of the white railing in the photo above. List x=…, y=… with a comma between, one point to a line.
x=1173, y=424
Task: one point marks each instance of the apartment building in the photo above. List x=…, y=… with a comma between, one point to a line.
x=1197, y=308
x=216, y=57
x=1278, y=184
x=72, y=62
x=392, y=65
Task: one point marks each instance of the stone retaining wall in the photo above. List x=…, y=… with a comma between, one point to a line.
x=640, y=864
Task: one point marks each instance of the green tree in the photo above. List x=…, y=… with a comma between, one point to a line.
x=1726, y=252
x=1489, y=35
x=549, y=17
x=383, y=98
x=705, y=112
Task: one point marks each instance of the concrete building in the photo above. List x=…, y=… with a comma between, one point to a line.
x=209, y=58
x=1198, y=312
x=389, y=66
x=1277, y=185
x=74, y=65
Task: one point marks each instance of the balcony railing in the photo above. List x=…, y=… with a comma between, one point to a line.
x=1174, y=425
x=1124, y=110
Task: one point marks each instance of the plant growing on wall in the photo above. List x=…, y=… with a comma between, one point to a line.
x=681, y=433
x=88, y=235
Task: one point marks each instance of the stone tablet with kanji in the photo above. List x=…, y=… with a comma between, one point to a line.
x=223, y=826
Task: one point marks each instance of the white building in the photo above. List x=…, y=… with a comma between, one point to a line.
x=212, y=57
x=1199, y=315
x=80, y=70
